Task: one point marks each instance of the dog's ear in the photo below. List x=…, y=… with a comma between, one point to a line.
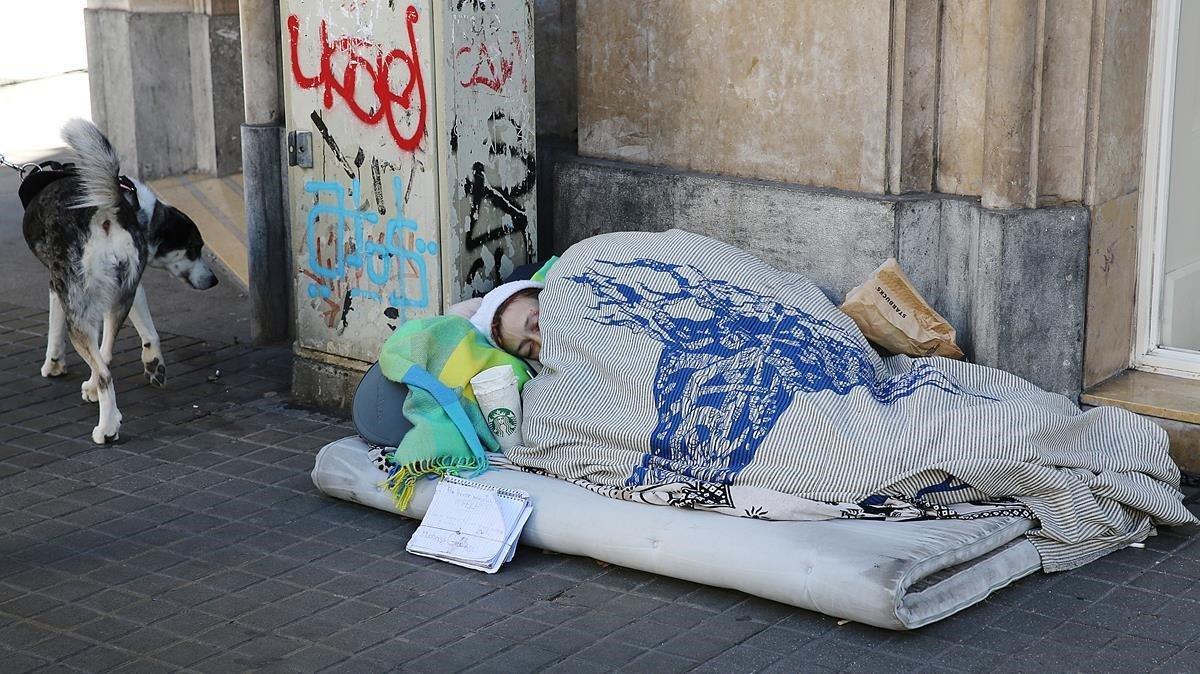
x=128, y=192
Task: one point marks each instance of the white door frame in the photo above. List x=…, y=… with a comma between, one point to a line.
x=1147, y=352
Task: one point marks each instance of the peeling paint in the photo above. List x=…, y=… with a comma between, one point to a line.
x=492, y=163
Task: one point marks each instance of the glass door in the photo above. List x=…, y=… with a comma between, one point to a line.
x=1169, y=295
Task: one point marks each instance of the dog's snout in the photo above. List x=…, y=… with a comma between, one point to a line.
x=202, y=281
x=200, y=276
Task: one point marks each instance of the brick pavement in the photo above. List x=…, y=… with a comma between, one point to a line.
x=198, y=543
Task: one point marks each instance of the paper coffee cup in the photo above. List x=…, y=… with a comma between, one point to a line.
x=500, y=402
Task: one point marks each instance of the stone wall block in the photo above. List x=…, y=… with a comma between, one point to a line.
x=1011, y=105
x=962, y=87
x=1061, y=140
x=959, y=241
x=202, y=94
x=591, y=202
x=227, y=94
x=1042, y=296
x=167, y=89
x=555, y=68
x=985, y=301
x=107, y=35
x=1112, y=287
x=1012, y=283
x=97, y=63
x=918, y=242
x=162, y=101
x=613, y=108
x=836, y=239
x=914, y=106
x=745, y=89
x=1123, y=61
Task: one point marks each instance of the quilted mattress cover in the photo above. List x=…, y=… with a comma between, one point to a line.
x=895, y=575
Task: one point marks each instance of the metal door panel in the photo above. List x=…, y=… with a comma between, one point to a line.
x=365, y=218
x=488, y=132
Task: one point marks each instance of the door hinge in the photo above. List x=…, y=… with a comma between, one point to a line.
x=300, y=149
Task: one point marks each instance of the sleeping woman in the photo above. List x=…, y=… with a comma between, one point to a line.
x=509, y=316
x=741, y=389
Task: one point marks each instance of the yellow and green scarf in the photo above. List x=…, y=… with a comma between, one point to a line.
x=436, y=358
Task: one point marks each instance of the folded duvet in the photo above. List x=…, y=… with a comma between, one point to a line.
x=681, y=371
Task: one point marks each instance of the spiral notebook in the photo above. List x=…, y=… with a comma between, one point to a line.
x=471, y=524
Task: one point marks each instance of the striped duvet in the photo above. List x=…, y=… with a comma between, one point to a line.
x=681, y=371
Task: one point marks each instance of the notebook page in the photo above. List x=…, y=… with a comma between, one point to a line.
x=452, y=545
x=467, y=510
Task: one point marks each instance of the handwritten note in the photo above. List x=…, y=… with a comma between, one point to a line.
x=468, y=511
x=471, y=524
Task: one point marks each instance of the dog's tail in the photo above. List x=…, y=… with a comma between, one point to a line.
x=98, y=165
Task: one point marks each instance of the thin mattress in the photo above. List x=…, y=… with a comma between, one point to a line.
x=895, y=575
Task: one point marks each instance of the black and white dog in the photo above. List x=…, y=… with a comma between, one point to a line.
x=96, y=232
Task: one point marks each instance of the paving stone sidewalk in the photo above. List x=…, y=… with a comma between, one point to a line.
x=198, y=543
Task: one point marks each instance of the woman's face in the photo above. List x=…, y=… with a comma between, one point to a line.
x=520, y=331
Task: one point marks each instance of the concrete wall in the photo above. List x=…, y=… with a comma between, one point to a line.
x=1024, y=104
x=166, y=84
x=1012, y=282
x=794, y=91
x=554, y=24
x=1120, y=61
x=963, y=70
x=557, y=103
x=1092, y=57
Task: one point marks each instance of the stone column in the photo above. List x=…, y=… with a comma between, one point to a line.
x=165, y=78
x=1012, y=105
x=913, y=108
x=264, y=162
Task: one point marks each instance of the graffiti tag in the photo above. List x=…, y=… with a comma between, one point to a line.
x=495, y=211
x=358, y=57
x=348, y=247
x=491, y=71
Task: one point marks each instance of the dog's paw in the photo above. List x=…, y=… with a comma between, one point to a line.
x=54, y=367
x=89, y=391
x=156, y=372
x=107, y=432
x=103, y=436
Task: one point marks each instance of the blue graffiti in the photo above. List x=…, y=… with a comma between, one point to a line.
x=384, y=263
x=732, y=362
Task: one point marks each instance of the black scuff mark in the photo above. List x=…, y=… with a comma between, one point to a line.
x=347, y=307
x=412, y=175
x=377, y=186
x=332, y=144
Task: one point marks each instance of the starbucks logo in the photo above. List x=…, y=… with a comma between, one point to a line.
x=502, y=421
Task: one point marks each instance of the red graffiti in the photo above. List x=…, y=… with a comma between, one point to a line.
x=366, y=57
x=486, y=71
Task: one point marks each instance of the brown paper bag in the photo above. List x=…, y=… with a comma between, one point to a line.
x=894, y=316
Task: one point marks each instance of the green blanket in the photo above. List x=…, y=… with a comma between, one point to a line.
x=436, y=358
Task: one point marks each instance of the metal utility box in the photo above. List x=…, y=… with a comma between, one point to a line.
x=412, y=177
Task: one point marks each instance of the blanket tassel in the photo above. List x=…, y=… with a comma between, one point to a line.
x=401, y=483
